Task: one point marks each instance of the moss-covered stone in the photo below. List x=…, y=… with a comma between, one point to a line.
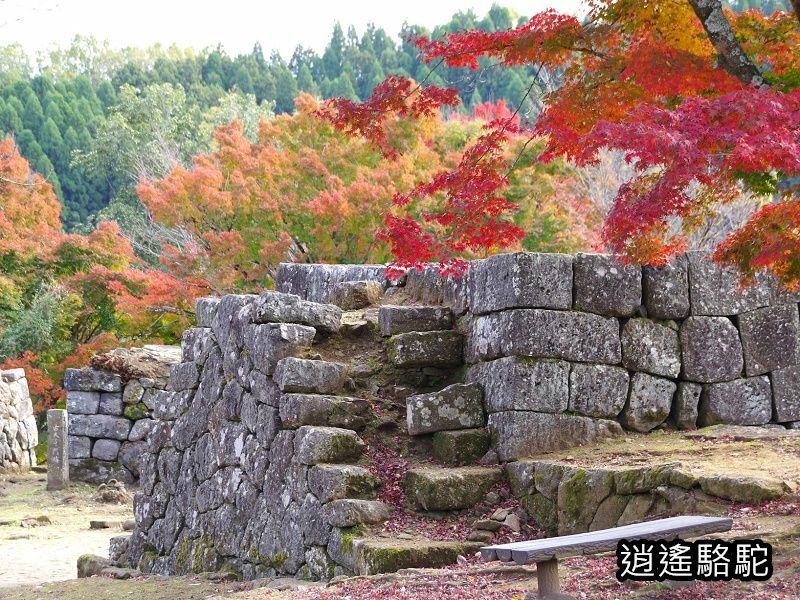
x=636, y=510
x=334, y=482
x=579, y=495
x=431, y=489
x=315, y=445
x=750, y=490
x=388, y=556
x=644, y=479
x=90, y=565
x=136, y=411
x=462, y=447
x=609, y=512
x=543, y=512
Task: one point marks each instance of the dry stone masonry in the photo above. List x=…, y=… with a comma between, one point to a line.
x=18, y=432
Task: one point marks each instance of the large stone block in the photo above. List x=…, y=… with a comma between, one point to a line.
x=110, y=404
x=315, y=282
x=99, y=426
x=524, y=434
x=710, y=349
x=315, y=445
x=405, y=319
x=267, y=344
x=184, y=376
x=605, y=286
x=83, y=403
x=309, y=376
x=666, y=290
x=573, y=336
x=351, y=512
x=297, y=410
x=334, y=482
x=91, y=380
x=196, y=344
x=352, y=295
x=80, y=446
x=650, y=347
x=649, y=403
x=522, y=383
x=58, y=461
x=206, y=310
x=786, y=394
x=458, y=406
x=597, y=390
x=716, y=290
x=429, y=286
x=460, y=447
x=684, y=407
x=106, y=449
x=130, y=454
x=740, y=402
x=521, y=280
x=426, y=349
x=91, y=470
x=432, y=489
x=770, y=338
x=275, y=307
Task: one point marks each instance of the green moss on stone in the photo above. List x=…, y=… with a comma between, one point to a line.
x=542, y=510
x=137, y=411
x=349, y=535
x=456, y=448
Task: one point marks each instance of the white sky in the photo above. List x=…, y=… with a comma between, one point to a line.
x=237, y=24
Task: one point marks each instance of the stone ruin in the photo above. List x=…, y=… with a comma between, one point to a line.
x=18, y=432
x=262, y=459
x=111, y=408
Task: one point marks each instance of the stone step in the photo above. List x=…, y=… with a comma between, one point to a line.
x=305, y=376
x=458, y=406
x=352, y=295
x=462, y=447
x=349, y=512
x=406, y=319
x=335, y=482
x=297, y=410
x=388, y=555
x=442, y=489
x=426, y=349
x=315, y=445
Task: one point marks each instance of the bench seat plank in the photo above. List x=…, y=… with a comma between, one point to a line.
x=605, y=539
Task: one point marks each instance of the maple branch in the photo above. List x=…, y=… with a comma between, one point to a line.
x=732, y=57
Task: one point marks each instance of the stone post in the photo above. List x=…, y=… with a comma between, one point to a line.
x=57, y=450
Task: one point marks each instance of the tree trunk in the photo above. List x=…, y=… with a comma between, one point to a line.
x=731, y=56
x=796, y=7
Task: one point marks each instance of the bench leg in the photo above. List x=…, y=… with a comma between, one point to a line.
x=547, y=577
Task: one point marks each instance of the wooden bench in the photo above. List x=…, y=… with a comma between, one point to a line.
x=546, y=552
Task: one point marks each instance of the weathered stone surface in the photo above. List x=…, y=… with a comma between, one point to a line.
x=573, y=336
x=184, y=376
x=636, y=510
x=309, y=376
x=96, y=471
x=130, y=454
x=315, y=282
x=315, y=445
x=750, y=490
x=521, y=280
x=267, y=344
x=524, y=434
x=650, y=347
x=12, y=375
x=206, y=310
x=786, y=394
x=352, y=512
x=83, y=403
x=770, y=338
x=90, y=565
x=462, y=447
x=666, y=290
x=643, y=479
x=715, y=290
x=522, y=383
x=297, y=410
x=110, y=403
x=105, y=449
x=649, y=403
x=405, y=319
x=739, y=402
x=605, y=286
x=276, y=307
x=168, y=405
x=334, y=482
x=579, y=495
x=99, y=426
x=381, y=555
x=458, y=406
x=134, y=412
x=90, y=380
x=80, y=446
x=432, y=489
x=597, y=390
x=710, y=349
x=685, y=404
x=426, y=349
x=352, y=295
x=196, y=343
x=58, y=461
x=117, y=547
x=609, y=512
x=429, y=286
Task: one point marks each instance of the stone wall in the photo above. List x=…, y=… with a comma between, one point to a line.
x=112, y=410
x=18, y=432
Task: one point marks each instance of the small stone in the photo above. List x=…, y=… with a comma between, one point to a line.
x=315, y=445
x=513, y=523
x=133, y=393
x=488, y=524
x=134, y=412
x=605, y=286
x=90, y=565
x=352, y=295
x=349, y=512
x=141, y=429
x=480, y=536
x=500, y=514
x=335, y=482
x=458, y=406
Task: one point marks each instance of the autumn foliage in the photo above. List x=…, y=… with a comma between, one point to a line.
x=645, y=78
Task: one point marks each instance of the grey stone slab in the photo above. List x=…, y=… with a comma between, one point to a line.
x=770, y=338
x=334, y=482
x=57, y=450
x=711, y=350
x=740, y=402
x=106, y=449
x=572, y=336
x=133, y=392
x=141, y=429
x=426, y=349
x=429, y=286
x=309, y=376
x=269, y=343
x=786, y=394
x=522, y=383
x=597, y=390
x=315, y=282
x=297, y=410
x=206, y=310
x=110, y=404
x=716, y=290
x=649, y=402
x=184, y=376
x=315, y=445
x=91, y=380
x=685, y=405
x=276, y=307
x=606, y=286
x=83, y=403
x=521, y=280
x=99, y=426
x=651, y=347
x=352, y=512
x=404, y=319
x=80, y=446
x=666, y=290
x=458, y=406
x=353, y=295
